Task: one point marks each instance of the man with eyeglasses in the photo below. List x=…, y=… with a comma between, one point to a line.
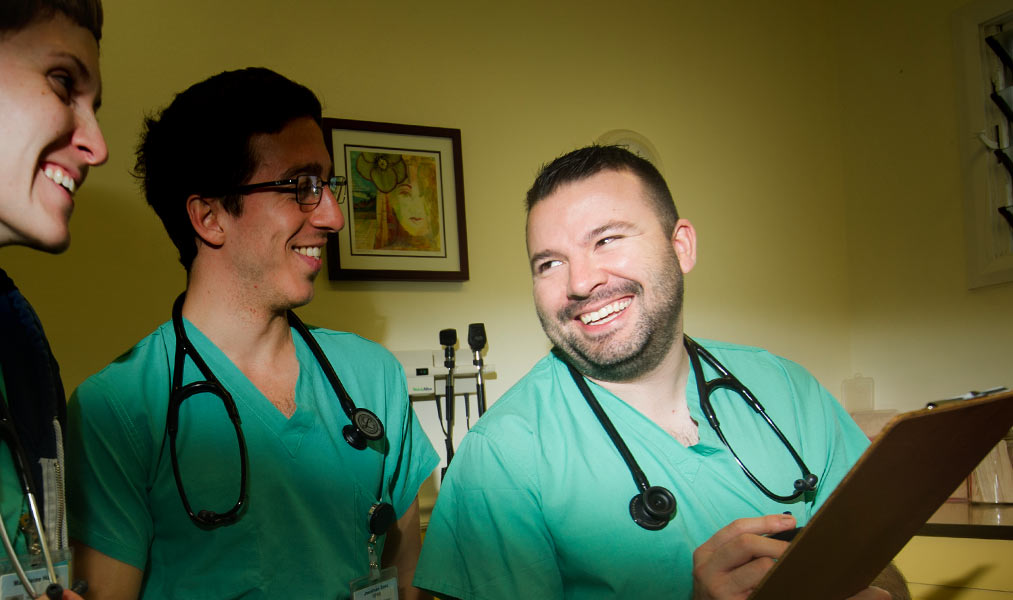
x=217, y=458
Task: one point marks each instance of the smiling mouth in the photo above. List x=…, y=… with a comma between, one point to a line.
x=60, y=177
x=605, y=313
x=310, y=251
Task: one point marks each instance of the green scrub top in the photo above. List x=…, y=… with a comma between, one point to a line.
x=536, y=501
x=12, y=497
x=304, y=531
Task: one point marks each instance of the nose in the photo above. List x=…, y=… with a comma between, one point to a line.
x=89, y=141
x=584, y=276
x=327, y=215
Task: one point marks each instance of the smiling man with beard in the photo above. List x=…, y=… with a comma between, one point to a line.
x=537, y=502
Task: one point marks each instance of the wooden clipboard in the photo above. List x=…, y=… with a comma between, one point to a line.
x=896, y=485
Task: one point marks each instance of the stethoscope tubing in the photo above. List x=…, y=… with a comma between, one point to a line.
x=729, y=381
x=638, y=475
x=211, y=385
x=364, y=424
x=22, y=470
x=659, y=518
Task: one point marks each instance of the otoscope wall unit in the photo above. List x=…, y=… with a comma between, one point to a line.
x=432, y=376
x=427, y=377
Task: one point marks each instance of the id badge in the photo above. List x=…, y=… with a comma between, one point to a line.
x=10, y=584
x=381, y=585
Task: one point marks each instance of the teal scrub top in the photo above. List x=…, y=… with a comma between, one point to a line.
x=304, y=532
x=536, y=501
x=12, y=498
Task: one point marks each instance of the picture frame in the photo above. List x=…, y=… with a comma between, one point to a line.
x=404, y=202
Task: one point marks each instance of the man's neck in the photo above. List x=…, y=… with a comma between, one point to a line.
x=237, y=326
x=660, y=395
x=257, y=339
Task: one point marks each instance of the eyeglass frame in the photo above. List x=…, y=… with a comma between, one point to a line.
x=337, y=184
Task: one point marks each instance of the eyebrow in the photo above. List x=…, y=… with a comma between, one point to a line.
x=614, y=225
x=310, y=168
x=589, y=238
x=540, y=256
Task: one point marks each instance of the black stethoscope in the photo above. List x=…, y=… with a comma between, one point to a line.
x=654, y=506
x=365, y=426
x=9, y=435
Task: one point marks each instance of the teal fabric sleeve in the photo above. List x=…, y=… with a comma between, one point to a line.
x=489, y=538
x=109, y=454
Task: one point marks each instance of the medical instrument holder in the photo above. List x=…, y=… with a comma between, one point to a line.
x=448, y=339
x=476, y=341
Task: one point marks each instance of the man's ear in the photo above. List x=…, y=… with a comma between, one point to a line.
x=684, y=242
x=204, y=213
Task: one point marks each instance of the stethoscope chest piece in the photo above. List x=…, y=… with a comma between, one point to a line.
x=653, y=508
x=365, y=426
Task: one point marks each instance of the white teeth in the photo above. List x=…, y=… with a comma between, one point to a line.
x=60, y=178
x=605, y=311
x=311, y=251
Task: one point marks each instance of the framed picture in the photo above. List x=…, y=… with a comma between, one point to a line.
x=404, y=207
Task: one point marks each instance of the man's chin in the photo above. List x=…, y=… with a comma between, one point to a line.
x=612, y=369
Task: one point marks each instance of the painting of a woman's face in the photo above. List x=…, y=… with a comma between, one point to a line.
x=409, y=203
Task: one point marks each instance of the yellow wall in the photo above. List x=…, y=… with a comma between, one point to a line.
x=915, y=327
x=826, y=195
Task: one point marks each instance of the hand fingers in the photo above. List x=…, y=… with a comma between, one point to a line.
x=755, y=525
x=737, y=583
x=734, y=560
x=745, y=558
x=872, y=593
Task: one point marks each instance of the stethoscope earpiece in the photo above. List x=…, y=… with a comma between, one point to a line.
x=653, y=508
x=807, y=484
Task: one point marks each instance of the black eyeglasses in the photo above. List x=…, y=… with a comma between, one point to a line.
x=308, y=188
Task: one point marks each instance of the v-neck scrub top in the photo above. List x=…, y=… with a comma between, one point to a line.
x=536, y=501
x=305, y=529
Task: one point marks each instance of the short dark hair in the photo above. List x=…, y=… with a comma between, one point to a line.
x=591, y=160
x=15, y=15
x=200, y=143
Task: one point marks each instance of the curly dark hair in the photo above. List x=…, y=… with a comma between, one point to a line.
x=200, y=143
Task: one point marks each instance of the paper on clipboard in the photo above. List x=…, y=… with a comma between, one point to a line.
x=893, y=489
